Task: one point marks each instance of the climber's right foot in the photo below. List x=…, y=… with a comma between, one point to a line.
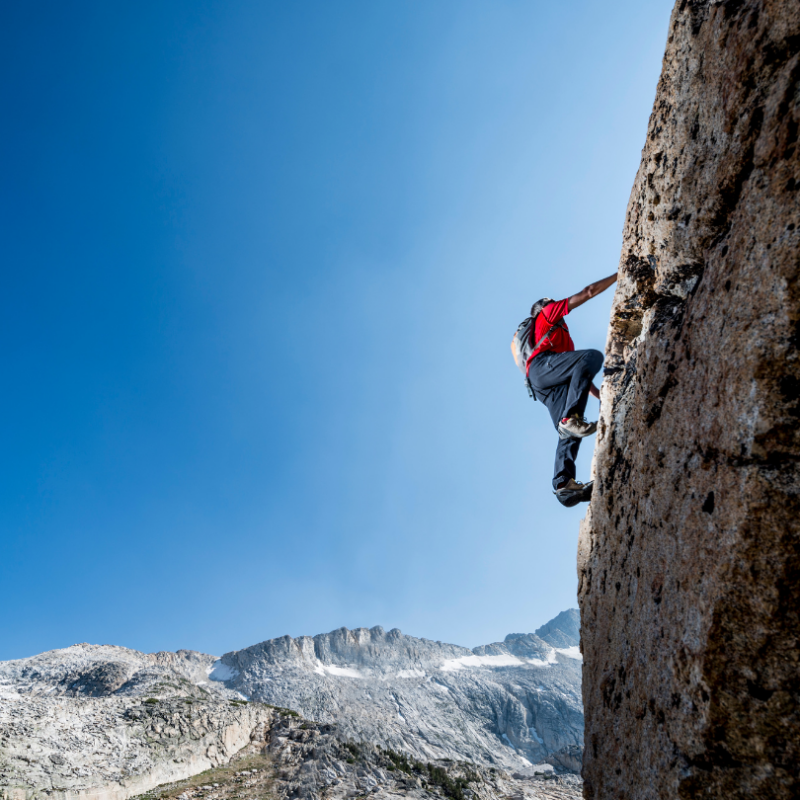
x=574, y=492
x=575, y=427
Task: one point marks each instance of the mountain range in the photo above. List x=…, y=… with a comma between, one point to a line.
x=75, y=716
x=510, y=703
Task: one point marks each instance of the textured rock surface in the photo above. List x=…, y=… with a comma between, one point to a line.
x=689, y=557
x=113, y=748
x=301, y=759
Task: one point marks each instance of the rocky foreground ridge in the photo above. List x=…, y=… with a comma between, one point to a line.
x=689, y=557
x=180, y=749
x=98, y=721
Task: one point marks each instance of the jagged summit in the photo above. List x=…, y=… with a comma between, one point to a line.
x=567, y=623
x=370, y=648
x=377, y=650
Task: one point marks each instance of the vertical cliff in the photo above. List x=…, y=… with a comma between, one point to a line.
x=689, y=557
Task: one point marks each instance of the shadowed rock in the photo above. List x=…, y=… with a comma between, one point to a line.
x=689, y=557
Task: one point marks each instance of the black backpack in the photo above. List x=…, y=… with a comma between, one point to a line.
x=522, y=346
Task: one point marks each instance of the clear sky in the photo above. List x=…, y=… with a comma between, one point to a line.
x=262, y=262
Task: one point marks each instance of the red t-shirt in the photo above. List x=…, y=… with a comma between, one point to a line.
x=559, y=340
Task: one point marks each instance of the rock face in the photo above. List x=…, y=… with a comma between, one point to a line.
x=112, y=748
x=302, y=759
x=689, y=557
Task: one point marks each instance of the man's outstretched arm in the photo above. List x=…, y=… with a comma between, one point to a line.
x=592, y=290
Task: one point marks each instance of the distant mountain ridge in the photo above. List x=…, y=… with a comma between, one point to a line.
x=512, y=703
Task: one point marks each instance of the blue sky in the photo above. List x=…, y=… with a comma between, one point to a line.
x=262, y=265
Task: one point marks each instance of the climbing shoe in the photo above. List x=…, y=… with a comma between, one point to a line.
x=574, y=492
x=575, y=427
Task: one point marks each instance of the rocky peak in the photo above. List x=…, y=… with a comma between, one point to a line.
x=566, y=625
x=511, y=702
x=365, y=648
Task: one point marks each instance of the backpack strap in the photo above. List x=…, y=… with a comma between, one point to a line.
x=539, y=343
x=558, y=324
x=529, y=387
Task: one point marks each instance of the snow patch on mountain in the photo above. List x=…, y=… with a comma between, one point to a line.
x=221, y=672
x=548, y=661
x=339, y=672
x=480, y=661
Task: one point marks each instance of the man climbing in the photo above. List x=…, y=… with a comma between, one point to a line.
x=561, y=377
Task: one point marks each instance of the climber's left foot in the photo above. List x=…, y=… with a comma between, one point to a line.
x=573, y=492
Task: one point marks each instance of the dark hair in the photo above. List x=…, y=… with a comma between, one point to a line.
x=537, y=307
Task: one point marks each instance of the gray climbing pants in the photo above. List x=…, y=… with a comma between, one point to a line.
x=561, y=381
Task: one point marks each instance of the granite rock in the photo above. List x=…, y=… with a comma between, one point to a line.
x=689, y=556
x=68, y=748
x=306, y=760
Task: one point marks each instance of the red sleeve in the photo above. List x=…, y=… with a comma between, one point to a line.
x=553, y=312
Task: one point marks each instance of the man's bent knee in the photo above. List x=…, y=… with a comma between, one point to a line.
x=593, y=359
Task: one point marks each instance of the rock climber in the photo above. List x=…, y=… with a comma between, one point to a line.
x=561, y=377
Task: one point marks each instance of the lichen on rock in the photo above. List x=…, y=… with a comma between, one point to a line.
x=689, y=556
